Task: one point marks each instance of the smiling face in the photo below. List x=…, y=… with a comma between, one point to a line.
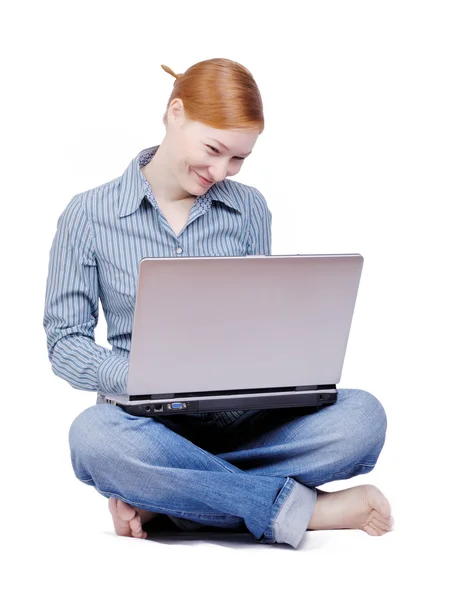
x=204, y=155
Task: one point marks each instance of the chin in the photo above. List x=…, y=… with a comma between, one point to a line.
x=192, y=189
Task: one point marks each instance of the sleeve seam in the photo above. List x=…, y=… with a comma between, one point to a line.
x=91, y=228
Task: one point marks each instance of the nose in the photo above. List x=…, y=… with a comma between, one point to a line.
x=218, y=171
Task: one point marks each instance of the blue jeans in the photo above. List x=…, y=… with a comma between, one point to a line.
x=259, y=472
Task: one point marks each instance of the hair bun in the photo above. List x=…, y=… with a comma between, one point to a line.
x=169, y=70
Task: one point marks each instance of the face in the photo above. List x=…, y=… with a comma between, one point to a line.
x=204, y=155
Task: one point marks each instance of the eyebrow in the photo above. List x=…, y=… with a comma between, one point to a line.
x=224, y=146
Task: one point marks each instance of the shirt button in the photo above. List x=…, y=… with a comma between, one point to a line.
x=179, y=250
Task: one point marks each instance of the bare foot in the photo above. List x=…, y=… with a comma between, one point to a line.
x=128, y=520
x=360, y=507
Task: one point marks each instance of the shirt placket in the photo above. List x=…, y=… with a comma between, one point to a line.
x=196, y=211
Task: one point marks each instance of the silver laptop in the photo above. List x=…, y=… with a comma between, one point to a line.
x=239, y=333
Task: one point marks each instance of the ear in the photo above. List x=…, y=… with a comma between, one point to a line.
x=176, y=111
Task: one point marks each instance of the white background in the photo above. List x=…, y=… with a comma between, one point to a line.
x=359, y=154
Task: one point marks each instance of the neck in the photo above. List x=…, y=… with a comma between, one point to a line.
x=161, y=177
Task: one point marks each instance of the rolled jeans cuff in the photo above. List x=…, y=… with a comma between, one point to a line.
x=292, y=512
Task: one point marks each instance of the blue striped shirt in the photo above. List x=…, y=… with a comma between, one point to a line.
x=101, y=237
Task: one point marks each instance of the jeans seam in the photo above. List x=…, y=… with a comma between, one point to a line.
x=337, y=474
x=370, y=465
x=287, y=488
x=217, y=461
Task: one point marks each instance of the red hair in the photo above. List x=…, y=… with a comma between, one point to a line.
x=220, y=93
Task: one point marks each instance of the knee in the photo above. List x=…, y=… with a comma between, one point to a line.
x=105, y=439
x=89, y=429
x=90, y=436
x=364, y=419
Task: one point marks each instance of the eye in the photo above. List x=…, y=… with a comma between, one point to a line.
x=218, y=152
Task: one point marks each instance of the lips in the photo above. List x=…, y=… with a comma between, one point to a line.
x=203, y=180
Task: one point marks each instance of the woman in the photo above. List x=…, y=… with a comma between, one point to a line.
x=257, y=470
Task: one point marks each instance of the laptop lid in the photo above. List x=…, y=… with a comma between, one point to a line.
x=227, y=323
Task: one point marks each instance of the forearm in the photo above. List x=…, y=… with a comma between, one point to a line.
x=88, y=366
x=71, y=309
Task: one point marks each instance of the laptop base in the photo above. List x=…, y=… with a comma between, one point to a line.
x=171, y=404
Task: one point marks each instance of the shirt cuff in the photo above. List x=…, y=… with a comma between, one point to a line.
x=112, y=375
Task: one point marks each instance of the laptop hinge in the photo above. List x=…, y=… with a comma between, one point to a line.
x=306, y=388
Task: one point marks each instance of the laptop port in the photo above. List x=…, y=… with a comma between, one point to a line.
x=178, y=405
x=158, y=408
x=147, y=408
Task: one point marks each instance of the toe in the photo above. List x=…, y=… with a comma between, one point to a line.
x=135, y=524
x=138, y=534
x=125, y=511
x=377, y=501
x=385, y=522
x=371, y=529
x=381, y=524
x=112, y=505
x=121, y=527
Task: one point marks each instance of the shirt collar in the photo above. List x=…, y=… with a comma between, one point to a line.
x=132, y=186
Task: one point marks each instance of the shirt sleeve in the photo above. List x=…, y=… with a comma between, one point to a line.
x=260, y=234
x=71, y=309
